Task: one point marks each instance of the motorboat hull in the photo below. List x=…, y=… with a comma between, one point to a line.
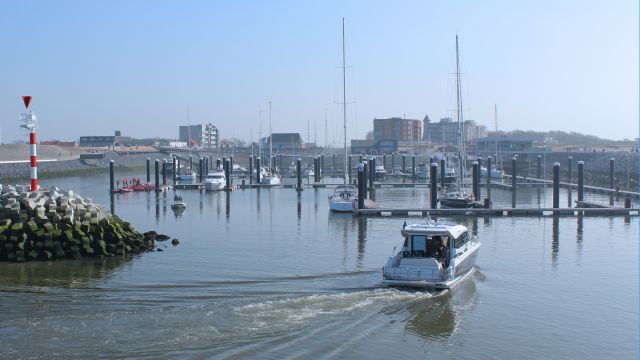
x=341, y=206
x=213, y=186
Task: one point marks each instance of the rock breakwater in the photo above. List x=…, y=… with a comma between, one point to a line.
x=59, y=224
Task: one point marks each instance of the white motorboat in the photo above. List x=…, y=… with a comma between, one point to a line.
x=186, y=174
x=215, y=180
x=458, y=199
x=342, y=198
x=434, y=255
x=268, y=177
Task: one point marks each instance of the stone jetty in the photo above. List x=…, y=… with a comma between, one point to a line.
x=59, y=224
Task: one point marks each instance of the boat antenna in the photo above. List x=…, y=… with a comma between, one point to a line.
x=461, y=151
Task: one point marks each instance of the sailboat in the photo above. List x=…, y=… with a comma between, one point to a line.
x=496, y=171
x=187, y=174
x=459, y=198
x=343, y=197
x=269, y=176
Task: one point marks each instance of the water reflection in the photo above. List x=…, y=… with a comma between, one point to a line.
x=227, y=208
x=436, y=318
x=555, y=236
x=362, y=239
x=64, y=273
x=299, y=205
x=579, y=235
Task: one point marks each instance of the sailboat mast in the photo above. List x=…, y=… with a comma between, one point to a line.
x=344, y=106
x=270, y=139
x=260, y=133
x=461, y=152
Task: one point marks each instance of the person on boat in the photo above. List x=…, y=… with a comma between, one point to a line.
x=440, y=252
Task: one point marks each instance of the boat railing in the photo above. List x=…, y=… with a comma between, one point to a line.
x=404, y=273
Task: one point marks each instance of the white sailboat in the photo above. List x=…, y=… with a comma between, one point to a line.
x=269, y=176
x=459, y=198
x=343, y=197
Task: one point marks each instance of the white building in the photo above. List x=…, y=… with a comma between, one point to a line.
x=201, y=135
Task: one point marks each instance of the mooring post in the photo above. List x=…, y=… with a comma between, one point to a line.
x=364, y=179
x=612, y=163
x=227, y=175
x=315, y=170
x=433, y=176
x=539, y=167
x=393, y=161
x=384, y=161
x=404, y=163
x=321, y=166
x=476, y=193
x=570, y=163
x=258, y=170
x=513, y=172
x=200, y=168
x=164, y=171
x=231, y=170
x=173, y=170
x=148, y=170
x=580, y=180
x=371, y=173
x=556, y=185
x=190, y=162
x=218, y=164
x=413, y=167
x=157, y=173
x=349, y=169
x=111, y=176
x=361, y=186
x=489, y=178
x=250, y=169
x=334, y=162
x=442, y=186
x=361, y=159
x=299, y=174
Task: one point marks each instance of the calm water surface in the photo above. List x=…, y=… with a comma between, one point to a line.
x=273, y=274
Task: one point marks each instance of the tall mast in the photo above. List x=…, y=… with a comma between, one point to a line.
x=270, y=139
x=260, y=134
x=498, y=155
x=344, y=102
x=461, y=151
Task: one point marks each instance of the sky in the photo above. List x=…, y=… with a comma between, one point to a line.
x=146, y=67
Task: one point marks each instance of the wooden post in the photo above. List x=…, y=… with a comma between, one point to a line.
x=580, y=180
x=111, y=176
x=556, y=185
x=299, y=174
x=148, y=170
x=433, y=176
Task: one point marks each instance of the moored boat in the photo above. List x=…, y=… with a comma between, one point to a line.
x=342, y=198
x=215, y=180
x=434, y=255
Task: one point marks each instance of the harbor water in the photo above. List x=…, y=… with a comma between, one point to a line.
x=271, y=273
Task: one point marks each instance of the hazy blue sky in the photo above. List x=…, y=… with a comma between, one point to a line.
x=136, y=66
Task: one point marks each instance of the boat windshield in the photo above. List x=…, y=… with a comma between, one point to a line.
x=432, y=246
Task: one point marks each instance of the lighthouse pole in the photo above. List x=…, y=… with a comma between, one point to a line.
x=29, y=122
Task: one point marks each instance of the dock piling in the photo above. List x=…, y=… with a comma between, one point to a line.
x=476, y=193
x=299, y=174
x=413, y=167
x=433, y=176
x=556, y=185
x=364, y=179
x=580, y=180
x=334, y=162
x=513, y=173
x=227, y=174
x=157, y=173
x=539, y=159
x=148, y=170
x=489, y=178
x=231, y=170
x=190, y=162
x=164, y=171
x=349, y=169
x=404, y=163
x=371, y=165
x=442, y=186
x=111, y=176
x=361, y=186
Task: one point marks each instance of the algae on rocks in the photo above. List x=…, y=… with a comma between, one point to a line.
x=58, y=224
